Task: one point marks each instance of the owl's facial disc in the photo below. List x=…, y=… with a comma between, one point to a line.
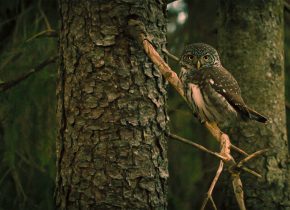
x=199, y=56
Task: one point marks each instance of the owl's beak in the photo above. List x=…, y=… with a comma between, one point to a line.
x=198, y=65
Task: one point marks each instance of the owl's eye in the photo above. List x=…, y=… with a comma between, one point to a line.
x=190, y=57
x=205, y=57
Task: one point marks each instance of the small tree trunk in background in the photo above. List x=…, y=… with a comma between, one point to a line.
x=111, y=146
x=251, y=41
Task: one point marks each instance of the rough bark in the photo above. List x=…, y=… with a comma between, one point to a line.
x=111, y=147
x=251, y=44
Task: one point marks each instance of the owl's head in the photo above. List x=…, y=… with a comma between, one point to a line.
x=198, y=56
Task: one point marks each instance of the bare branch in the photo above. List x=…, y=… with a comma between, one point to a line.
x=251, y=172
x=48, y=26
x=214, y=181
x=30, y=163
x=7, y=85
x=19, y=187
x=5, y=175
x=238, y=190
x=173, y=57
x=250, y=157
x=46, y=33
x=237, y=149
x=212, y=202
x=202, y=148
x=218, y=155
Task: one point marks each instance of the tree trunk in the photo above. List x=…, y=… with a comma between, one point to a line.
x=251, y=41
x=111, y=147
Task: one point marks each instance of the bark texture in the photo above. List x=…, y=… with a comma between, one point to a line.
x=251, y=44
x=111, y=147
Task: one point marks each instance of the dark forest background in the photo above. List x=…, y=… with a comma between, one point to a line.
x=27, y=111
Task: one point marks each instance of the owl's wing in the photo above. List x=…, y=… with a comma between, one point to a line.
x=225, y=84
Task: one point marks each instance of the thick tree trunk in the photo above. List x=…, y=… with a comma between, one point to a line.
x=251, y=42
x=111, y=147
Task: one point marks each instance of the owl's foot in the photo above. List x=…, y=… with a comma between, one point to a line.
x=225, y=145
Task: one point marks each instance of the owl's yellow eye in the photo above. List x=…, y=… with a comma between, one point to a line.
x=190, y=57
x=205, y=57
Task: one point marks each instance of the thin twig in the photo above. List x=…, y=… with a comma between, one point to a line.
x=173, y=57
x=237, y=149
x=218, y=155
x=214, y=181
x=20, y=15
x=218, y=173
x=5, y=175
x=212, y=202
x=7, y=85
x=44, y=16
x=250, y=157
x=19, y=187
x=254, y=173
x=45, y=33
x=29, y=162
x=202, y=148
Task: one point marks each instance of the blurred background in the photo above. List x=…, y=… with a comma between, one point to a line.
x=27, y=111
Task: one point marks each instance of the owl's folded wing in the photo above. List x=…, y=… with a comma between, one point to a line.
x=226, y=85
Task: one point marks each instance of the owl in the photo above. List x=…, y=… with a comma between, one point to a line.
x=211, y=91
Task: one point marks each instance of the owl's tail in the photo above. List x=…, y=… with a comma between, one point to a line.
x=253, y=115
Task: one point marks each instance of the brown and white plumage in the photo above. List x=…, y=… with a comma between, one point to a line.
x=212, y=92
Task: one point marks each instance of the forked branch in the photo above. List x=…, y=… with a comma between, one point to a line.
x=214, y=181
x=238, y=167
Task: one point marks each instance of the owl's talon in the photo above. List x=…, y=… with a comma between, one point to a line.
x=227, y=157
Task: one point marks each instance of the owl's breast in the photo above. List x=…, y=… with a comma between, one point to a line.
x=209, y=105
x=190, y=76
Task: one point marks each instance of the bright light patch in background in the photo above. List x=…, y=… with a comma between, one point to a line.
x=179, y=8
x=171, y=27
x=181, y=18
x=176, y=5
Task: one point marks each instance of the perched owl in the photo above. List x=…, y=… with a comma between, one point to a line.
x=212, y=92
